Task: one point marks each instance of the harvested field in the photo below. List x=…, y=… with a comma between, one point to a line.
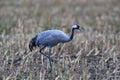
x=92, y=55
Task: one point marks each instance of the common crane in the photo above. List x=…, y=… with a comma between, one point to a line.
x=50, y=38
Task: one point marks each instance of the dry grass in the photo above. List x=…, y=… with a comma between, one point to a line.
x=91, y=55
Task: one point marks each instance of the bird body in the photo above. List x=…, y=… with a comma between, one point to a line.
x=50, y=38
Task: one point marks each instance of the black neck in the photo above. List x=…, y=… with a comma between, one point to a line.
x=72, y=34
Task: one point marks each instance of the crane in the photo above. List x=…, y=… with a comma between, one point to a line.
x=50, y=38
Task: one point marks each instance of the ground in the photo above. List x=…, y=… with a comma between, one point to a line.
x=92, y=55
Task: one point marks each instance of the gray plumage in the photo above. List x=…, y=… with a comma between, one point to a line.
x=50, y=38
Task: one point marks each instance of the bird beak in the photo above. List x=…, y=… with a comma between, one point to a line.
x=81, y=29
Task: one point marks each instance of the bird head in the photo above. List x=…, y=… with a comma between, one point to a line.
x=75, y=26
x=32, y=43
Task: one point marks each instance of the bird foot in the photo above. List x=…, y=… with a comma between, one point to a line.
x=54, y=60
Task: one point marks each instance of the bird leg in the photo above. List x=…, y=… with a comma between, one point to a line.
x=48, y=56
x=50, y=59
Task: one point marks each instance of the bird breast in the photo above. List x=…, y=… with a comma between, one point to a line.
x=51, y=38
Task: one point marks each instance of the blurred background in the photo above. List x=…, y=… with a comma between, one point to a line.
x=100, y=14
x=91, y=55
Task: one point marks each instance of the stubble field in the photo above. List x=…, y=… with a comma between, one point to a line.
x=92, y=55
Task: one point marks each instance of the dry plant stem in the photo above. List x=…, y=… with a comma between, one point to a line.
x=84, y=69
x=27, y=55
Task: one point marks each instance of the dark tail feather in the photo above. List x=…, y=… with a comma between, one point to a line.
x=32, y=43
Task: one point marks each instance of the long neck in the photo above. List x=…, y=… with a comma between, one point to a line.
x=72, y=34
